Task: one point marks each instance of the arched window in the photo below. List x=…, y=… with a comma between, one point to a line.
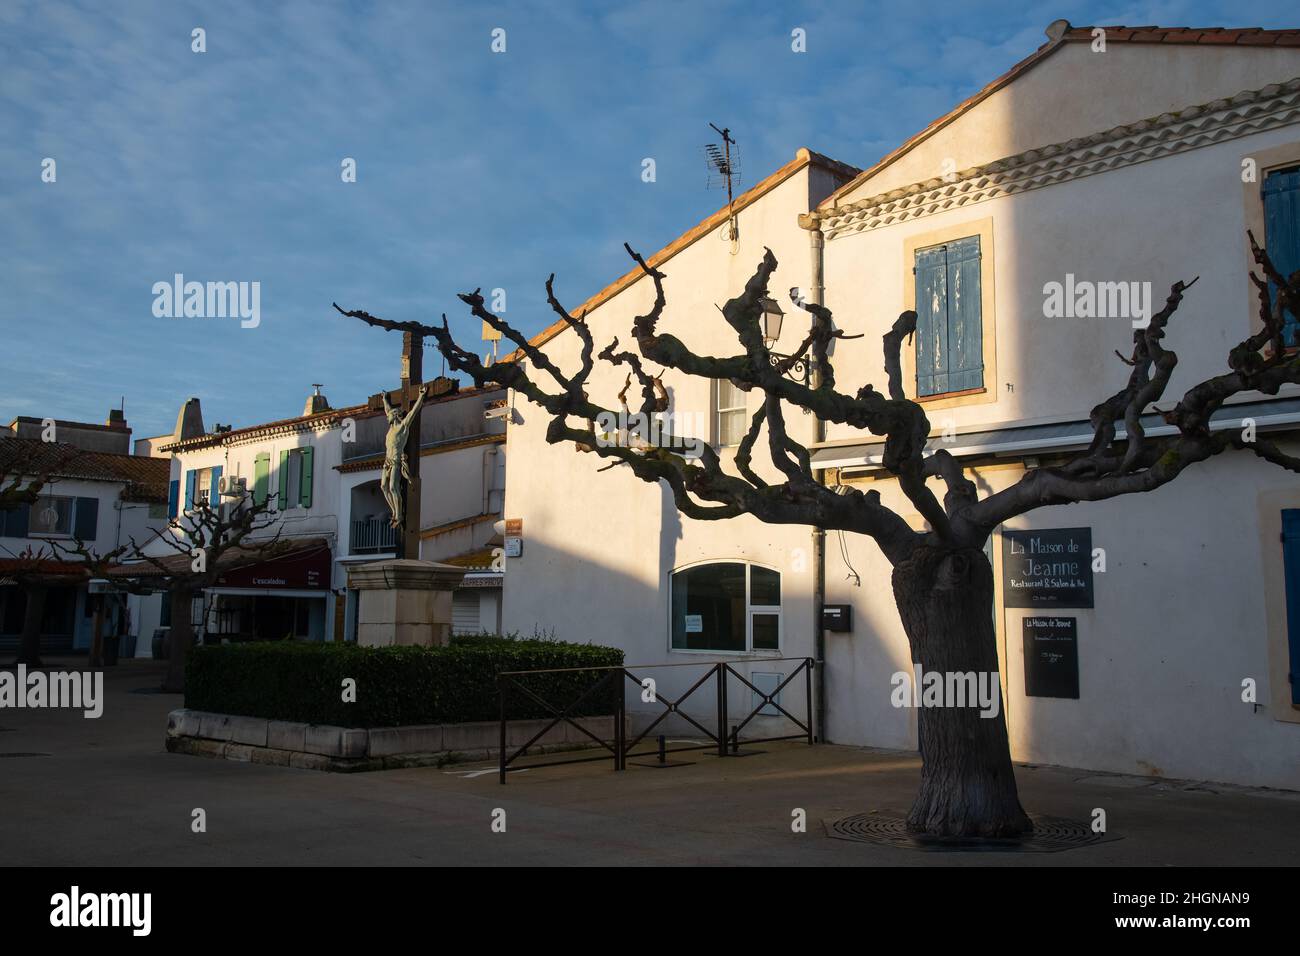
x=726, y=606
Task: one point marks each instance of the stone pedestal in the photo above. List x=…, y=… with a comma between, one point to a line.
x=402, y=601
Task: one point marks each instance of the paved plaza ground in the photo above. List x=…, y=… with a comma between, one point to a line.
x=79, y=792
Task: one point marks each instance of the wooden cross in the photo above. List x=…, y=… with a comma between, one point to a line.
x=403, y=399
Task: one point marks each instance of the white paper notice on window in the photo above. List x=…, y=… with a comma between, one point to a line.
x=694, y=623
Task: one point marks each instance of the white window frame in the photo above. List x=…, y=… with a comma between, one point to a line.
x=202, y=490
x=293, y=481
x=750, y=609
x=38, y=506
x=719, y=411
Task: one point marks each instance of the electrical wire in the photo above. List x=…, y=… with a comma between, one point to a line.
x=844, y=546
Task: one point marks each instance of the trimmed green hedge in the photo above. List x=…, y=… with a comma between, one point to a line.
x=290, y=680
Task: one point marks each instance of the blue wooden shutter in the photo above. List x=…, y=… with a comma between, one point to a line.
x=215, y=496
x=965, y=332
x=1291, y=567
x=304, y=486
x=173, y=497
x=86, y=519
x=191, y=477
x=1282, y=232
x=15, y=521
x=931, y=322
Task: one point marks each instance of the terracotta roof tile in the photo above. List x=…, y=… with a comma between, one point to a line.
x=39, y=567
x=320, y=419
x=371, y=462
x=1244, y=36
x=478, y=559
x=145, y=478
x=1145, y=36
x=1257, y=39
x=1220, y=37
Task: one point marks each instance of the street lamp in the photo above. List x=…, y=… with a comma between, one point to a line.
x=772, y=316
x=795, y=369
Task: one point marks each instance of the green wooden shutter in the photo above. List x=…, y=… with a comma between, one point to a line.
x=304, y=489
x=1282, y=232
x=261, y=477
x=173, y=497
x=214, y=496
x=931, y=321
x=283, y=501
x=191, y=478
x=965, y=332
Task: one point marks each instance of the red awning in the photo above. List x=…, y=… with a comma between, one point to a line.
x=238, y=568
x=307, y=569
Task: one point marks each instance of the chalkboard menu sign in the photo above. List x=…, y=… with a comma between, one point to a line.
x=1051, y=657
x=1047, y=567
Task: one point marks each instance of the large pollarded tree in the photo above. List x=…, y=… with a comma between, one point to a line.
x=941, y=579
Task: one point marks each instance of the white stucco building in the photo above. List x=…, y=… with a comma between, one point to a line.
x=1141, y=160
x=96, y=492
x=322, y=467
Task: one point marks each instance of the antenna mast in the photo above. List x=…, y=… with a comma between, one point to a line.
x=724, y=166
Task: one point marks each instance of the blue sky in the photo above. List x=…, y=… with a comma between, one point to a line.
x=474, y=168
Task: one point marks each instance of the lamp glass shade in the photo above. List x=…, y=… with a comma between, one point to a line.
x=772, y=316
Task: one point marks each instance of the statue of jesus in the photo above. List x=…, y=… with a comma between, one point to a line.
x=395, y=467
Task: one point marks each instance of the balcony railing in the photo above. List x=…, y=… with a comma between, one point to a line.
x=373, y=535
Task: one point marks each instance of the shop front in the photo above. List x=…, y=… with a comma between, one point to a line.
x=285, y=598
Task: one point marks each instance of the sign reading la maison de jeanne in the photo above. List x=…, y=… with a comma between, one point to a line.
x=1051, y=657
x=1047, y=567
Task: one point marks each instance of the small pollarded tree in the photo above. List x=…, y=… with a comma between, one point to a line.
x=36, y=572
x=206, y=542
x=942, y=582
x=96, y=565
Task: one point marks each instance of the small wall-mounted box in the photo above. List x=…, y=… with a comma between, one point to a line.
x=838, y=618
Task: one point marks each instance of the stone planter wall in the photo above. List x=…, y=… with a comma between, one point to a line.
x=319, y=747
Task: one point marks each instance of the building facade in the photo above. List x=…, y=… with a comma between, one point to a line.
x=1030, y=228
x=606, y=557
x=95, y=492
x=321, y=470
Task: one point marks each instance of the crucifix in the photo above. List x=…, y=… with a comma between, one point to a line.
x=400, y=478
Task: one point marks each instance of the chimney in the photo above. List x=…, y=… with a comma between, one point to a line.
x=116, y=418
x=316, y=403
x=1057, y=29
x=189, y=423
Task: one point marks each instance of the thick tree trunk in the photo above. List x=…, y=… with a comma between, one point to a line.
x=945, y=598
x=29, y=645
x=180, y=638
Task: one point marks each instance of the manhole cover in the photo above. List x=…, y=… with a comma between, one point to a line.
x=889, y=828
x=23, y=755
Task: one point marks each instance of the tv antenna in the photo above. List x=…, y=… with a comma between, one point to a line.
x=724, y=168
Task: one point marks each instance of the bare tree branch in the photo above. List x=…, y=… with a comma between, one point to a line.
x=1100, y=473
